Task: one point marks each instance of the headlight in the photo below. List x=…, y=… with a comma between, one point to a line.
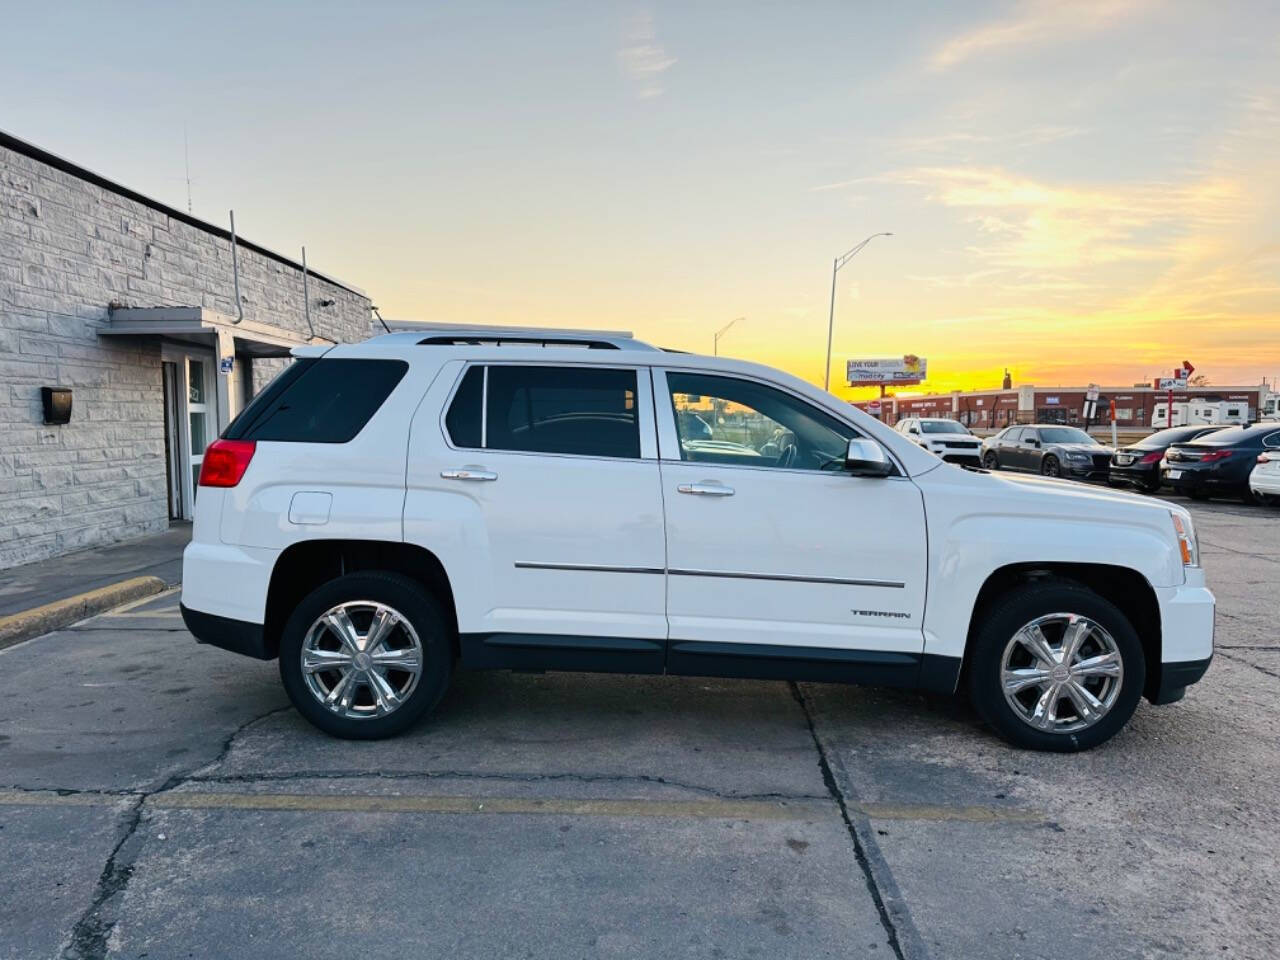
x=1079, y=457
x=1186, y=533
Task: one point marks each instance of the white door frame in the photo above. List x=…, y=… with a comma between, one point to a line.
x=182, y=355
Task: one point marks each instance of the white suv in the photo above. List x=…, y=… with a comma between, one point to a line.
x=386, y=512
x=949, y=439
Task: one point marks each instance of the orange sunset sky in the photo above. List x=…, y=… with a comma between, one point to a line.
x=1078, y=191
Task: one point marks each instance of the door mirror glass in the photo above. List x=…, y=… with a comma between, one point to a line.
x=865, y=458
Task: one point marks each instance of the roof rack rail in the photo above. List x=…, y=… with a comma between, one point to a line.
x=459, y=334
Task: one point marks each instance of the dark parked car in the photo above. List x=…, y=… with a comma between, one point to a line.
x=1139, y=463
x=1046, y=448
x=1219, y=464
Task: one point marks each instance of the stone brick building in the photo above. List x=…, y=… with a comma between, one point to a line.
x=131, y=305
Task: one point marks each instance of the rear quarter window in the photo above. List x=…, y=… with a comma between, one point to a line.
x=325, y=401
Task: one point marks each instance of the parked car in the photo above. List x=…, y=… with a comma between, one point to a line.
x=949, y=439
x=1048, y=449
x=385, y=513
x=1264, y=480
x=1219, y=464
x=1139, y=464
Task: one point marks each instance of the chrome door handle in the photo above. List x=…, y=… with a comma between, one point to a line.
x=706, y=489
x=468, y=473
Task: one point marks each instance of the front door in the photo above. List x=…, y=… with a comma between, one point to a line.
x=779, y=562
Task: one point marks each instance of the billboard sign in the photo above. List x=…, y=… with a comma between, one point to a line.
x=1169, y=383
x=896, y=370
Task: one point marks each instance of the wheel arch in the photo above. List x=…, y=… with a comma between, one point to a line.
x=1124, y=587
x=303, y=566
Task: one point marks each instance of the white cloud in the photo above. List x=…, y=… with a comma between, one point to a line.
x=643, y=59
x=1035, y=22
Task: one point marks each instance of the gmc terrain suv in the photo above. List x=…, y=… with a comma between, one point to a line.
x=384, y=513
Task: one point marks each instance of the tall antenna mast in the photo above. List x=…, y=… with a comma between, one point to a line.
x=186, y=157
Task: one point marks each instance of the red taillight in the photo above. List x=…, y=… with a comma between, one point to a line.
x=1215, y=455
x=1152, y=457
x=225, y=462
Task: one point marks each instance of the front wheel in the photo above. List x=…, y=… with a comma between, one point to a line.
x=364, y=656
x=1050, y=467
x=1054, y=666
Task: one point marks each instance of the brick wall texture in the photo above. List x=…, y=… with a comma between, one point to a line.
x=69, y=249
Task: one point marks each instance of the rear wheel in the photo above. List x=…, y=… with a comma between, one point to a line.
x=1149, y=486
x=366, y=655
x=1054, y=666
x=989, y=461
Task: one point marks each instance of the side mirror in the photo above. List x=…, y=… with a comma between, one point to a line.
x=866, y=458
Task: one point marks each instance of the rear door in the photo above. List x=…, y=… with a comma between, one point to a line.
x=779, y=562
x=542, y=481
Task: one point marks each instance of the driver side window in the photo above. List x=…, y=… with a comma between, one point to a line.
x=736, y=422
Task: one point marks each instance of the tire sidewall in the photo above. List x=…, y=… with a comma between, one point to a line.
x=407, y=597
x=1051, y=467
x=1019, y=608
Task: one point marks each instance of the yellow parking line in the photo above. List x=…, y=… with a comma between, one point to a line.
x=726, y=809
x=366, y=803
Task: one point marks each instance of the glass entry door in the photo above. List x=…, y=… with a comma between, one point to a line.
x=190, y=420
x=199, y=414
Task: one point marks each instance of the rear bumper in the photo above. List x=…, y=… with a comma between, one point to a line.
x=1203, y=479
x=1139, y=476
x=1268, y=483
x=238, y=636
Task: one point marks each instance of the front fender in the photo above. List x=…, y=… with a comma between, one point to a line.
x=968, y=550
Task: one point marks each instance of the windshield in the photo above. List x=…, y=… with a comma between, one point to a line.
x=1065, y=435
x=942, y=426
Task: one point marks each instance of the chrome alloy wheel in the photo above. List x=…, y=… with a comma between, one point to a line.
x=361, y=659
x=1061, y=673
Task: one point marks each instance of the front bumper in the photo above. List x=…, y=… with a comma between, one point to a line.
x=1186, y=627
x=1083, y=471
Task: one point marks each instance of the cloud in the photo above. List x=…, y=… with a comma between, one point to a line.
x=643, y=59
x=1035, y=22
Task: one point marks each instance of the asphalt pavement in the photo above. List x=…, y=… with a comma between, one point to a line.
x=161, y=799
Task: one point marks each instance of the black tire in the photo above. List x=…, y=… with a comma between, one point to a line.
x=1050, y=467
x=1248, y=496
x=424, y=614
x=1009, y=614
x=990, y=461
x=1149, y=486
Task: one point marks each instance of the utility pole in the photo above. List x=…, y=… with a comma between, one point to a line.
x=831, y=314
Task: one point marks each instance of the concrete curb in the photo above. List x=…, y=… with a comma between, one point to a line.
x=31, y=623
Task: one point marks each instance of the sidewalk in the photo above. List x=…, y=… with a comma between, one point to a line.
x=46, y=595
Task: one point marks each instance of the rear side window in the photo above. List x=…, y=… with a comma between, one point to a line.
x=583, y=411
x=327, y=401
x=463, y=421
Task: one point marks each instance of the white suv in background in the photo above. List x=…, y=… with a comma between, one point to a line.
x=949, y=439
x=387, y=512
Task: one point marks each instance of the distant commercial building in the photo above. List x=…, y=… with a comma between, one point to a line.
x=130, y=305
x=996, y=409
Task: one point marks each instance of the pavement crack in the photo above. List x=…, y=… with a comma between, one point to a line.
x=1247, y=663
x=904, y=940
x=90, y=933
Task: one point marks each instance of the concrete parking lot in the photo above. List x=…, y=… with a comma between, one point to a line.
x=160, y=799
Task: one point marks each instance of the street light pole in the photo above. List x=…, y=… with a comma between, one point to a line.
x=715, y=343
x=836, y=264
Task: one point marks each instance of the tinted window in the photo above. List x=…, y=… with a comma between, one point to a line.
x=942, y=426
x=730, y=421
x=591, y=412
x=463, y=419
x=1163, y=438
x=329, y=401
x=266, y=397
x=1065, y=435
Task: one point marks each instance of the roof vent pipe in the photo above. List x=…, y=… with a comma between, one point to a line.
x=235, y=269
x=306, y=296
